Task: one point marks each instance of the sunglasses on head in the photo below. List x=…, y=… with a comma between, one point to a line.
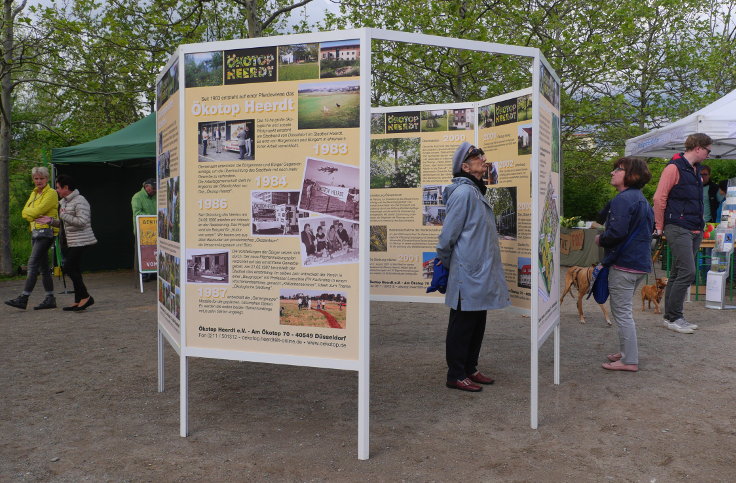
x=473, y=153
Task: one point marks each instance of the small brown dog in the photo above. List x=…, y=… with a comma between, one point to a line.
x=653, y=293
x=580, y=278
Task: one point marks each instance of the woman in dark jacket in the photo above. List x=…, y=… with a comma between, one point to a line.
x=629, y=216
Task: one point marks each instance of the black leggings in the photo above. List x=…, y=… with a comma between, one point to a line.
x=72, y=267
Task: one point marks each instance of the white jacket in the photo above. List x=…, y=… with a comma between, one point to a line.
x=75, y=212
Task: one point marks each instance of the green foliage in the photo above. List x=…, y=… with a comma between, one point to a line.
x=395, y=163
x=203, y=72
x=626, y=67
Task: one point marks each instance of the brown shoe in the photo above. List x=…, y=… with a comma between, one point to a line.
x=464, y=385
x=480, y=378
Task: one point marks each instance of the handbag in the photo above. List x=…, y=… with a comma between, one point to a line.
x=37, y=233
x=599, y=283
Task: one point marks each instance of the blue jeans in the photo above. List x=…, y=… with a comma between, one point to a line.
x=38, y=262
x=684, y=246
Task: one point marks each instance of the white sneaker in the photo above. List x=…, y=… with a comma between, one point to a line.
x=687, y=324
x=679, y=325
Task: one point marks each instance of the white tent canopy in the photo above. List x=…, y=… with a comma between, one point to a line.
x=717, y=120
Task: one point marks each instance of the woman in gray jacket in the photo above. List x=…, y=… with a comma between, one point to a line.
x=76, y=228
x=468, y=248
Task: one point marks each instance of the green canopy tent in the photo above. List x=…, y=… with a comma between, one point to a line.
x=109, y=170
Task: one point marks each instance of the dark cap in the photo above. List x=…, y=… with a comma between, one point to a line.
x=150, y=181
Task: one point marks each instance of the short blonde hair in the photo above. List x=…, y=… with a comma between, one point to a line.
x=42, y=170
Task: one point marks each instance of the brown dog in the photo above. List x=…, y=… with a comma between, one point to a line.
x=580, y=278
x=653, y=293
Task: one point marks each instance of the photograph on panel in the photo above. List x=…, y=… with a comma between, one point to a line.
x=203, y=69
x=329, y=105
x=168, y=268
x=378, y=124
x=339, y=59
x=524, y=139
x=428, y=264
x=462, y=119
x=432, y=194
x=226, y=140
x=208, y=265
x=379, y=238
x=433, y=121
x=524, y=272
x=524, y=108
x=548, y=231
x=395, y=162
x=331, y=189
x=555, y=143
x=161, y=224
x=490, y=176
x=170, y=297
x=275, y=213
x=163, y=165
x=433, y=215
x=170, y=219
x=328, y=241
x=313, y=308
x=503, y=202
x=486, y=116
x=168, y=85
x=298, y=62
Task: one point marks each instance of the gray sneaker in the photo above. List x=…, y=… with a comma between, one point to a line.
x=685, y=323
x=679, y=325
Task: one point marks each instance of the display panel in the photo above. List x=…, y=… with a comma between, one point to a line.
x=273, y=199
x=168, y=201
x=505, y=134
x=411, y=163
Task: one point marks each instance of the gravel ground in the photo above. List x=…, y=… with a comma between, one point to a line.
x=79, y=402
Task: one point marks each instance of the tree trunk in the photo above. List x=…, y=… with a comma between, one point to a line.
x=252, y=20
x=6, y=91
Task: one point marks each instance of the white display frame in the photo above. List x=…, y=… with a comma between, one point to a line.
x=362, y=365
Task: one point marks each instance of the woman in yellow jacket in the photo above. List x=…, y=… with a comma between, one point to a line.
x=43, y=202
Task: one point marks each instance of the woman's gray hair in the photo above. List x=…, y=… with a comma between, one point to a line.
x=42, y=170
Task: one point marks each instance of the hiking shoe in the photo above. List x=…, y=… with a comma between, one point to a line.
x=19, y=302
x=679, y=326
x=48, y=303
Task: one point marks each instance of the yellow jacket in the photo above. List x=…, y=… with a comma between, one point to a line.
x=45, y=203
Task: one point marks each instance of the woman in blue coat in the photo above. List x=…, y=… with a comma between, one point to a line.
x=468, y=248
x=629, y=216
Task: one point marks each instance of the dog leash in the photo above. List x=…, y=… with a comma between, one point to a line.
x=657, y=245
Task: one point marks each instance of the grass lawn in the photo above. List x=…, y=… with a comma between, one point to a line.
x=321, y=111
x=441, y=125
x=289, y=72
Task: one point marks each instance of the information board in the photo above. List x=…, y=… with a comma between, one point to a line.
x=272, y=242
x=169, y=201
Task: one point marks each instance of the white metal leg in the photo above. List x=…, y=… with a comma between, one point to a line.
x=183, y=396
x=363, y=414
x=557, y=354
x=161, y=385
x=535, y=384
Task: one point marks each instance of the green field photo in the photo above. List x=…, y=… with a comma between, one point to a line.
x=433, y=121
x=290, y=72
x=324, y=106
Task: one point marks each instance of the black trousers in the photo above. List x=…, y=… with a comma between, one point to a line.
x=72, y=267
x=464, y=338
